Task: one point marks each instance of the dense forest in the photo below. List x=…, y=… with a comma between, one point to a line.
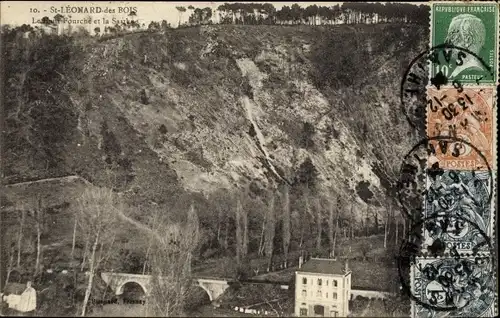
x=347, y=13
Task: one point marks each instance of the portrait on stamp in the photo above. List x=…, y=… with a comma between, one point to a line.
x=468, y=32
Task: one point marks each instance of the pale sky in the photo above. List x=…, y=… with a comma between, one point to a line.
x=20, y=12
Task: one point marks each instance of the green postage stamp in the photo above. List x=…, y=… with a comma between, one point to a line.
x=468, y=33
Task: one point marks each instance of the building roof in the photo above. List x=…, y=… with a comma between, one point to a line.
x=14, y=288
x=324, y=266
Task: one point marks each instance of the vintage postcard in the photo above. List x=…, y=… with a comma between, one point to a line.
x=248, y=159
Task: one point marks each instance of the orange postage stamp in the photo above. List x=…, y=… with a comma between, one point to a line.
x=465, y=115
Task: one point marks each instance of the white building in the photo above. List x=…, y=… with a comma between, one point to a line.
x=322, y=288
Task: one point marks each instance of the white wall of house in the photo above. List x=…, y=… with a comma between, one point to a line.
x=327, y=290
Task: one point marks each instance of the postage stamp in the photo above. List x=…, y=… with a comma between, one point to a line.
x=453, y=287
x=458, y=212
x=465, y=113
x=470, y=27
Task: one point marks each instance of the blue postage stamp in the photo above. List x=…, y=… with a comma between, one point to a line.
x=453, y=287
x=457, y=214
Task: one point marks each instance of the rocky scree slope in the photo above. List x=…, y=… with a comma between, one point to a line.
x=225, y=106
x=228, y=105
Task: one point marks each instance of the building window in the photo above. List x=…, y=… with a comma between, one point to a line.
x=327, y=282
x=334, y=295
x=318, y=293
x=334, y=313
x=334, y=283
x=319, y=310
x=319, y=281
x=326, y=296
x=304, y=280
x=303, y=312
x=304, y=293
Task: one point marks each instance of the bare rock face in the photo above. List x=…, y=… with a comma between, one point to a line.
x=223, y=106
x=260, y=112
x=254, y=127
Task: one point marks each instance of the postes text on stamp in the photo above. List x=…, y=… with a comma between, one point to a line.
x=453, y=287
x=472, y=28
x=465, y=113
x=421, y=164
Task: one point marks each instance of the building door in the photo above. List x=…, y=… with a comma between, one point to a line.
x=334, y=313
x=319, y=311
x=303, y=312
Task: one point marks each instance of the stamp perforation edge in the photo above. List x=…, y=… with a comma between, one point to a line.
x=495, y=158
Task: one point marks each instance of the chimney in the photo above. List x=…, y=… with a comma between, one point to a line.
x=346, y=265
x=300, y=261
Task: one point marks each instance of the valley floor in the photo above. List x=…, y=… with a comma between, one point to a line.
x=358, y=308
x=113, y=310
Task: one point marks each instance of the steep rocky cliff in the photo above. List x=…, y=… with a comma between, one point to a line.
x=225, y=106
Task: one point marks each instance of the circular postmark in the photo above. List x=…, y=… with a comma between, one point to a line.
x=457, y=283
x=422, y=172
x=416, y=79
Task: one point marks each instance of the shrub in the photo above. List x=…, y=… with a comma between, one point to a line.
x=251, y=131
x=196, y=157
x=163, y=129
x=144, y=97
x=307, y=135
x=306, y=173
x=111, y=145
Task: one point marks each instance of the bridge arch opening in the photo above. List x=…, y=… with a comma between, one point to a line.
x=132, y=292
x=196, y=297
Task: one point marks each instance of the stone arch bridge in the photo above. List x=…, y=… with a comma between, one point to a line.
x=214, y=287
x=371, y=294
